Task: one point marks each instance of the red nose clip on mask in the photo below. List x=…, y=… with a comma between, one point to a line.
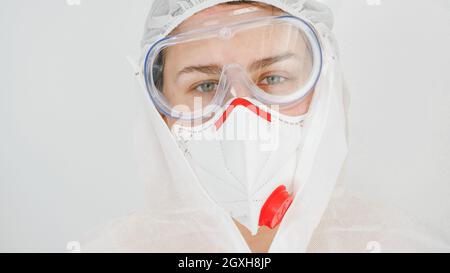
x=273, y=210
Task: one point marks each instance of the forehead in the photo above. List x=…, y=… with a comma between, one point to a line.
x=245, y=46
x=226, y=13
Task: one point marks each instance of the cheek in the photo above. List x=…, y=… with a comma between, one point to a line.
x=300, y=108
x=170, y=122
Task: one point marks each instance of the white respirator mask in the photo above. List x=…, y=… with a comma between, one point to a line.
x=246, y=158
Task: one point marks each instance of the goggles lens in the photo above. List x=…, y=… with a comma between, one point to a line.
x=276, y=60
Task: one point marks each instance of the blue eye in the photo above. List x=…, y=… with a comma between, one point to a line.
x=272, y=80
x=206, y=87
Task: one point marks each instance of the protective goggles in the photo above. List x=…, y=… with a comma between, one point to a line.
x=276, y=60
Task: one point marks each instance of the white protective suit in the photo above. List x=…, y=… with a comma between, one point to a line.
x=322, y=218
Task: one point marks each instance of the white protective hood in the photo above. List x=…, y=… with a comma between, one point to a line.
x=181, y=217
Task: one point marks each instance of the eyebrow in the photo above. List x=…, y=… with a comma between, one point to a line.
x=212, y=69
x=215, y=69
x=271, y=60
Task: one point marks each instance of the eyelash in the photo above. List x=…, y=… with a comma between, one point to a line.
x=197, y=86
x=283, y=79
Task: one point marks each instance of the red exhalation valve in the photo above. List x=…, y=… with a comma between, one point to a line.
x=273, y=210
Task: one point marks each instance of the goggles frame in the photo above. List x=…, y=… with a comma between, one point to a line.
x=209, y=32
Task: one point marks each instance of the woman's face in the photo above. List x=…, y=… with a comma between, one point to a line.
x=192, y=70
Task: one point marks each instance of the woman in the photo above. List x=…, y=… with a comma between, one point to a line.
x=247, y=136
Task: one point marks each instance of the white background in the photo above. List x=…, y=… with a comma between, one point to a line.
x=68, y=112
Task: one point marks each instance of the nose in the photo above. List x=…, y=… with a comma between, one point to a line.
x=239, y=91
x=237, y=82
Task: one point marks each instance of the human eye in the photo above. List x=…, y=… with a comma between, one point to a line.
x=280, y=83
x=206, y=87
x=272, y=80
